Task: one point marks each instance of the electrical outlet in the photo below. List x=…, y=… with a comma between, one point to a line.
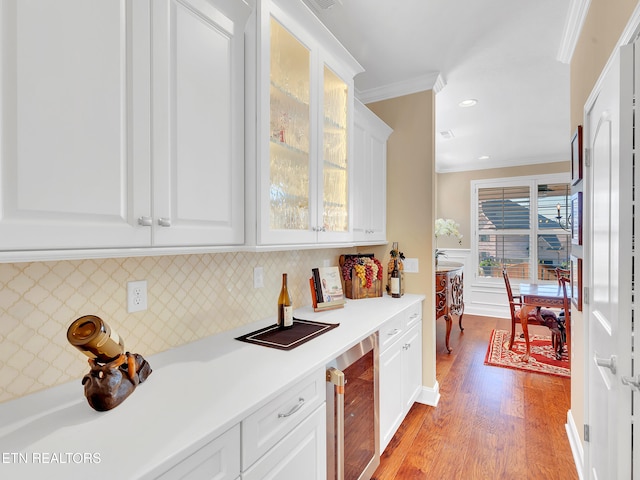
x=326, y=262
x=410, y=265
x=258, y=277
x=137, y=296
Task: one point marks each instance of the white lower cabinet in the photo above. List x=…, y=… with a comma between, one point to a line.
x=400, y=370
x=286, y=438
x=217, y=460
x=299, y=455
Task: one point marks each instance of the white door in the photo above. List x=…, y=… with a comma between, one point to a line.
x=198, y=122
x=609, y=189
x=74, y=103
x=412, y=367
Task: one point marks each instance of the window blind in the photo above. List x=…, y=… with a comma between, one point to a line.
x=507, y=223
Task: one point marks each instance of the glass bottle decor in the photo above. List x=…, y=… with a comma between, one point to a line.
x=395, y=254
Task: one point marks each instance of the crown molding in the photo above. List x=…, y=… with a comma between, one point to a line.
x=573, y=26
x=404, y=87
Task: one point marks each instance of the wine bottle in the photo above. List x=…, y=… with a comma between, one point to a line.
x=93, y=337
x=285, y=309
x=395, y=280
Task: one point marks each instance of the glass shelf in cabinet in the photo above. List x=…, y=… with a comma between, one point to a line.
x=334, y=166
x=276, y=87
x=274, y=142
x=331, y=125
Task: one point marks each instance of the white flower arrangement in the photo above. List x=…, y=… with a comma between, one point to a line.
x=446, y=228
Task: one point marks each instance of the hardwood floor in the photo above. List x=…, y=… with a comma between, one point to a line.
x=490, y=423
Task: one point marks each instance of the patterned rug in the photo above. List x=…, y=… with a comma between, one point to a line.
x=542, y=359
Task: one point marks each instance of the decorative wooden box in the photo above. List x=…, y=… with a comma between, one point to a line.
x=353, y=288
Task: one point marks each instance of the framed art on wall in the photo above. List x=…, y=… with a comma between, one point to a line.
x=576, y=218
x=576, y=282
x=576, y=156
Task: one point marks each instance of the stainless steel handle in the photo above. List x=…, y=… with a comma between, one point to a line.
x=633, y=382
x=406, y=346
x=293, y=410
x=164, y=222
x=393, y=332
x=336, y=377
x=609, y=363
x=145, y=221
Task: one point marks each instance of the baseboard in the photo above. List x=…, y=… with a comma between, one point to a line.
x=575, y=443
x=429, y=395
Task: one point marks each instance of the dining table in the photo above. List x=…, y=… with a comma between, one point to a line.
x=537, y=296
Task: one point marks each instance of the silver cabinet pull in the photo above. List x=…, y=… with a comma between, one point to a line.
x=145, y=221
x=293, y=410
x=609, y=363
x=393, y=332
x=633, y=382
x=164, y=222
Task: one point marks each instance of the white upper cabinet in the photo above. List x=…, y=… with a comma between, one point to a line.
x=299, y=127
x=74, y=105
x=122, y=123
x=198, y=126
x=370, y=177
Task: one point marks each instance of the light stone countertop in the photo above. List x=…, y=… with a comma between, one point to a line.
x=195, y=393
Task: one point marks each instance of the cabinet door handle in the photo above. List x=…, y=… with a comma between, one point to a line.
x=164, y=222
x=293, y=410
x=145, y=221
x=393, y=332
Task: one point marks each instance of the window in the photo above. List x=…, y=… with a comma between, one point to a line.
x=522, y=223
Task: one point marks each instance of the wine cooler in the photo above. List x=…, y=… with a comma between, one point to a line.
x=353, y=421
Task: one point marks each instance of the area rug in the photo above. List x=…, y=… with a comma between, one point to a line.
x=542, y=359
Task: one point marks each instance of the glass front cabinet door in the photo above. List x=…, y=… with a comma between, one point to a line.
x=304, y=118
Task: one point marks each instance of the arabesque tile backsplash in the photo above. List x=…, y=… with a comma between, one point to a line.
x=190, y=297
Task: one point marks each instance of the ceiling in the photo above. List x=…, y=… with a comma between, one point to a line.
x=503, y=53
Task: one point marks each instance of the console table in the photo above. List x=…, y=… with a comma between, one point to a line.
x=449, y=295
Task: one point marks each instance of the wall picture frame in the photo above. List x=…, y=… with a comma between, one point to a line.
x=576, y=156
x=576, y=218
x=576, y=282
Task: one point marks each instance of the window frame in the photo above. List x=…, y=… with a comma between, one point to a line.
x=532, y=181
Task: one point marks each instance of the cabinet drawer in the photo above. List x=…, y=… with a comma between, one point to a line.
x=267, y=426
x=391, y=331
x=217, y=460
x=414, y=314
x=301, y=455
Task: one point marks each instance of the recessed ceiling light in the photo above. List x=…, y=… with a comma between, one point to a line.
x=484, y=157
x=468, y=103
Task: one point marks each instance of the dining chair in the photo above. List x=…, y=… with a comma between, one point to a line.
x=564, y=319
x=563, y=274
x=536, y=316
